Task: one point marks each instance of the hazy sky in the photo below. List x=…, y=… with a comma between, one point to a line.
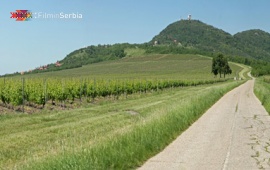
x=26, y=45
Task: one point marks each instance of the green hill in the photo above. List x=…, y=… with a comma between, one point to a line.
x=152, y=66
x=198, y=35
x=181, y=37
x=256, y=43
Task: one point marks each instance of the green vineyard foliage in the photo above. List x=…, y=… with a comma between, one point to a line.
x=55, y=90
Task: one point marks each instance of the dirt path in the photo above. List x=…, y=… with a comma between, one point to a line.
x=232, y=134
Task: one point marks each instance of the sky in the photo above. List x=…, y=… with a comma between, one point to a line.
x=26, y=45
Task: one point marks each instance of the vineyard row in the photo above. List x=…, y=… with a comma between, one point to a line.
x=40, y=91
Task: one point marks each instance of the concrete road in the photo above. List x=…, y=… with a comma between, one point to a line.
x=233, y=134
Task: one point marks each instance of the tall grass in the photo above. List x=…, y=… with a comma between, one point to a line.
x=133, y=147
x=262, y=91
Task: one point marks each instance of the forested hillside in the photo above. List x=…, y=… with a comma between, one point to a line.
x=256, y=43
x=196, y=34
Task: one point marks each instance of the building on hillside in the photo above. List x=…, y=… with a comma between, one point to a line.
x=58, y=64
x=43, y=67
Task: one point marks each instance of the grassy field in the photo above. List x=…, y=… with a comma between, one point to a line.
x=262, y=91
x=159, y=66
x=112, y=134
x=51, y=139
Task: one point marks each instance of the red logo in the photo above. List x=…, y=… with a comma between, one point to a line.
x=21, y=15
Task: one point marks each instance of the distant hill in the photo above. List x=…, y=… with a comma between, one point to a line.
x=255, y=43
x=94, y=54
x=191, y=36
x=196, y=34
x=180, y=37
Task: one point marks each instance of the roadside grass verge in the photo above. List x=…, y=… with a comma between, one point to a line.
x=148, y=136
x=262, y=91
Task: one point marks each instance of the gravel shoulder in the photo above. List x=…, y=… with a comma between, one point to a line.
x=233, y=134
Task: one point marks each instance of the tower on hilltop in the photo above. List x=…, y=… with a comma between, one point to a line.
x=189, y=17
